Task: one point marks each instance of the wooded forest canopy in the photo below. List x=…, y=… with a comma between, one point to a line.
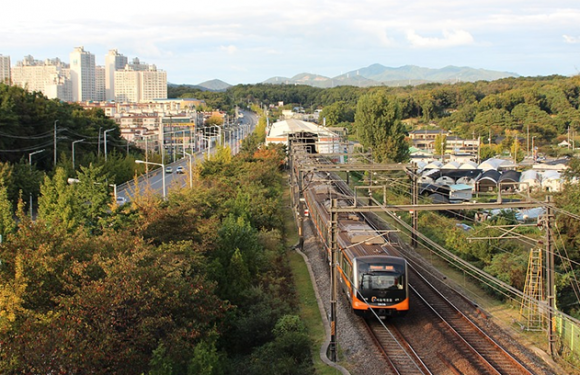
x=544, y=107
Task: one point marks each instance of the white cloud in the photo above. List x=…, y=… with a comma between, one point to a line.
x=322, y=36
x=571, y=39
x=450, y=39
x=377, y=29
x=229, y=49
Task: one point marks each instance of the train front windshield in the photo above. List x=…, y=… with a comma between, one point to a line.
x=382, y=281
x=380, y=277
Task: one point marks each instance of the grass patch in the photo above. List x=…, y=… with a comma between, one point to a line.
x=309, y=312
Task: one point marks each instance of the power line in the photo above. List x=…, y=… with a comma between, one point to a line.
x=31, y=148
x=46, y=135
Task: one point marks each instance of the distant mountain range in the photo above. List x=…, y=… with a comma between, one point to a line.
x=212, y=85
x=379, y=75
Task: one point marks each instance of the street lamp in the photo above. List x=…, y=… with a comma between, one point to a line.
x=219, y=133
x=73, y=152
x=208, y=139
x=533, y=150
x=162, y=171
x=30, y=157
x=190, y=169
x=72, y=181
x=114, y=186
x=105, y=135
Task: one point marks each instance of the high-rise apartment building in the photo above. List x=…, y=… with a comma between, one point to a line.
x=5, y=69
x=153, y=84
x=141, y=85
x=59, y=86
x=51, y=77
x=82, y=74
x=83, y=81
x=126, y=86
x=138, y=66
x=100, y=82
x=113, y=61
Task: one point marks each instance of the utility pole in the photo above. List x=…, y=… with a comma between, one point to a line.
x=99, y=146
x=550, y=285
x=528, y=142
x=333, y=297
x=162, y=134
x=414, y=201
x=30, y=166
x=55, y=152
x=105, y=135
x=478, y=150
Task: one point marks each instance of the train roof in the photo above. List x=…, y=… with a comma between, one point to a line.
x=382, y=258
x=363, y=233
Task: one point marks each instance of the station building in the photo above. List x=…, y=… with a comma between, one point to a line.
x=317, y=139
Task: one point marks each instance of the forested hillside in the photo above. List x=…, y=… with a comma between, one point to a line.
x=197, y=284
x=541, y=107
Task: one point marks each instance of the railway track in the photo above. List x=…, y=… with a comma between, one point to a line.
x=400, y=356
x=477, y=352
x=461, y=346
x=457, y=345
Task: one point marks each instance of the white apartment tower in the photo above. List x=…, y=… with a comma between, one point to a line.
x=82, y=74
x=100, y=83
x=153, y=84
x=113, y=61
x=51, y=77
x=140, y=85
x=5, y=69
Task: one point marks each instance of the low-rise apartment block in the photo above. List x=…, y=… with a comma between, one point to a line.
x=424, y=140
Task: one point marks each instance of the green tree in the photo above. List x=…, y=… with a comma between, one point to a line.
x=378, y=126
x=336, y=113
x=160, y=364
x=214, y=120
x=289, y=353
x=206, y=359
x=440, y=144
x=83, y=201
x=92, y=192
x=7, y=223
x=517, y=151
x=57, y=204
x=113, y=308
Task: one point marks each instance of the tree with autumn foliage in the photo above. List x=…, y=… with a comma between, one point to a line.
x=100, y=305
x=7, y=224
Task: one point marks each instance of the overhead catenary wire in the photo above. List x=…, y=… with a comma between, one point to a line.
x=476, y=272
x=28, y=149
x=565, y=258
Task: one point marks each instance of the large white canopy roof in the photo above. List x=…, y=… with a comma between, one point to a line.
x=285, y=127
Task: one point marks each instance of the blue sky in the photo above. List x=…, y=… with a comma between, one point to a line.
x=253, y=40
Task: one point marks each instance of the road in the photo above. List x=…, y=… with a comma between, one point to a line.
x=153, y=181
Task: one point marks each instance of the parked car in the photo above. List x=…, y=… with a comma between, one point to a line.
x=121, y=201
x=168, y=170
x=179, y=170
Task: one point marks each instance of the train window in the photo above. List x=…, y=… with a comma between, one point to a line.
x=382, y=281
x=378, y=267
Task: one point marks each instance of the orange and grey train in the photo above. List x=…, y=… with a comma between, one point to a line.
x=374, y=281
